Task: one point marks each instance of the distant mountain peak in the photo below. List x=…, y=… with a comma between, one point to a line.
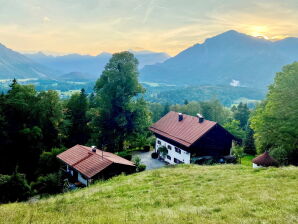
x=228, y=56
x=16, y=65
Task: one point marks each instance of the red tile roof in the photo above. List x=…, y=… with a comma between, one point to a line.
x=185, y=132
x=90, y=163
x=265, y=160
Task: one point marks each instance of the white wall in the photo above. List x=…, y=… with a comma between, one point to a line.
x=183, y=157
x=82, y=179
x=256, y=166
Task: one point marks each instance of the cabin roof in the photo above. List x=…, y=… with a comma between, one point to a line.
x=265, y=160
x=185, y=132
x=90, y=163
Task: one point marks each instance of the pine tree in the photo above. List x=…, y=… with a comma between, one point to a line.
x=249, y=143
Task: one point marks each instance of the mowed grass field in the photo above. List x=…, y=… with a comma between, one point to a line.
x=180, y=194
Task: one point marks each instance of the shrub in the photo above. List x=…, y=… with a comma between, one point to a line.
x=237, y=151
x=147, y=148
x=152, y=141
x=125, y=154
x=154, y=155
x=280, y=154
x=49, y=184
x=163, y=150
x=48, y=163
x=14, y=188
x=141, y=168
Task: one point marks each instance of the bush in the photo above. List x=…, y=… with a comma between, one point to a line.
x=284, y=156
x=152, y=141
x=154, y=155
x=163, y=151
x=237, y=151
x=48, y=163
x=147, y=148
x=141, y=168
x=125, y=155
x=280, y=154
x=49, y=184
x=14, y=188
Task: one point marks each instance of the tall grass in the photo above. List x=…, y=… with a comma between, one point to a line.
x=179, y=194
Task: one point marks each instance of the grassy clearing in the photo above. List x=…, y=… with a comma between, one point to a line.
x=181, y=194
x=246, y=160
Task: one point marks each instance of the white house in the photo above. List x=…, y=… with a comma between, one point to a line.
x=189, y=138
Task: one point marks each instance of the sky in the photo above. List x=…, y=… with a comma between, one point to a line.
x=95, y=26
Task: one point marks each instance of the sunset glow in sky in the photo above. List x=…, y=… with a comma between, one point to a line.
x=94, y=26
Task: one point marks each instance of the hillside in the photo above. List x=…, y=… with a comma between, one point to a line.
x=16, y=65
x=181, y=194
x=227, y=95
x=249, y=61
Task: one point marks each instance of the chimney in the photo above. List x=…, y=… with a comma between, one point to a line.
x=201, y=118
x=93, y=148
x=180, y=116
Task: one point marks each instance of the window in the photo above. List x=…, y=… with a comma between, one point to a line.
x=178, y=150
x=177, y=161
x=158, y=142
x=169, y=147
x=169, y=157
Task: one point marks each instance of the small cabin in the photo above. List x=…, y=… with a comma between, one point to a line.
x=188, y=138
x=85, y=164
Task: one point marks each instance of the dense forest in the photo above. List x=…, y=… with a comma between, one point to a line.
x=35, y=125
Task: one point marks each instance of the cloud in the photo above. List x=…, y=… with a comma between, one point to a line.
x=170, y=26
x=46, y=19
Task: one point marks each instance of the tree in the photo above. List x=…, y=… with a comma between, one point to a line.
x=14, y=188
x=166, y=109
x=275, y=121
x=30, y=123
x=241, y=114
x=234, y=128
x=77, y=108
x=49, y=184
x=50, y=117
x=249, y=143
x=118, y=91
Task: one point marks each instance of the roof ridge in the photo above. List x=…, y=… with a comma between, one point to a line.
x=86, y=157
x=97, y=155
x=192, y=116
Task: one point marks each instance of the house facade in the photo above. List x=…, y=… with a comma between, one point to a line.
x=187, y=138
x=86, y=164
x=175, y=154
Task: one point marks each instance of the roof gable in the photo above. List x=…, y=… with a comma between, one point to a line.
x=90, y=163
x=185, y=132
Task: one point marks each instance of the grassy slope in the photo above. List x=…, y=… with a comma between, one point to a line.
x=183, y=194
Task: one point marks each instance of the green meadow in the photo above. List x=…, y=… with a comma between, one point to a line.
x=175, y=194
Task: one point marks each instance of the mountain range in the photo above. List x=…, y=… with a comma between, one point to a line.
x=90, y=67
x=16, y=65
x=230, y=58
x=67, y=67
